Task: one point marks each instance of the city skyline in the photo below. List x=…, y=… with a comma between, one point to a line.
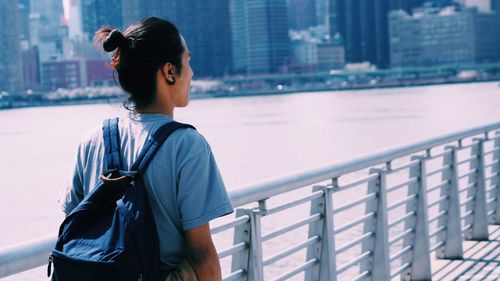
x=252, y=37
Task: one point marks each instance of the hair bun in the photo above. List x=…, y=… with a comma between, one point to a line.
x=114, y=40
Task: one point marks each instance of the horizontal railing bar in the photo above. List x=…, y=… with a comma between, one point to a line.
x=297, y=270
x=366, y=179
x=467, y=188
x=468, y=145
x=467, y=214
x=362, y=276
x=237, y=275
x=401, y=219
x=238, y=221
x=401, y=184
x=353, y=262
x=400, y=236
x=259, y=191
x=467, y=227
x=468, y=160
x=437, y=231
x=493, y=150
x=440, y=154
x=292, y=226
x=24, y=256
x=233, y=250
x=492, y=190
x=491, y=176
x=354, y=242
x=400, y=253
x=442, y=184
x=402, y=202
x=353, y=223
x=491, y=164
x=489, y=213
x=436, y=246
x=354, y=203
x=467, y=200
x=291, y=250
x=437, y=216
x=404, y=166
x=469, y=173
x=491, y=200
x=400, y=269
x=438, y=171
x=301, y=200
x=440, y=200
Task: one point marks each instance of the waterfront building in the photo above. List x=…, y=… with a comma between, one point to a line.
x=443, y=36
x=135, y=10
x=364, y=28
x=95, y=13
x=31, y=68
x=260, y=39
x=314, y=52
x=61, y=74
x=301, y=14
x=10, y=49
x=75, y=73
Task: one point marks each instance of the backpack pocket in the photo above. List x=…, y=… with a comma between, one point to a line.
x=79, y=269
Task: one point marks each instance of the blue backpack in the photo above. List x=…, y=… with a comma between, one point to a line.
x=111, y=234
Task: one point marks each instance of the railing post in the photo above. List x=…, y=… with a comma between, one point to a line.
x=380, y=265
x=453, y=248
x=420, y=259
x=496, y=157
x=324, y=250
x=479, y=231
x=250, y=260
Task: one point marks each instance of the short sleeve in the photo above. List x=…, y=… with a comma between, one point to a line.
x=201, y=195
x=72, y=192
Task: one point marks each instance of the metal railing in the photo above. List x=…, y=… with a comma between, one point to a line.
x=377, y=217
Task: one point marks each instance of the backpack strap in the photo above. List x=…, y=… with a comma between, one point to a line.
x=154, y=143
x=112, y=144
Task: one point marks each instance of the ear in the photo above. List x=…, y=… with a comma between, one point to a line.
x=168, y=70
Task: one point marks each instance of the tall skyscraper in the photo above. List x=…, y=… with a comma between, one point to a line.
x=95, y=13
x=10, y=49
x=47, y=28
x=301, y=14
x=135, y=10
x=203, y=24
x=363, y=26
x=260, y=36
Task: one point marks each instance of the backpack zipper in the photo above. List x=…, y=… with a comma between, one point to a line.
x=49, y=268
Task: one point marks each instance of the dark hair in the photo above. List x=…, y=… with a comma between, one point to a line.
x=139, y=53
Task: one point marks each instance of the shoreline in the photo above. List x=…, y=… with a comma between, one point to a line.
x=227, y=94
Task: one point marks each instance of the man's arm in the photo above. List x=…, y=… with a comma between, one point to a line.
x=201, y=253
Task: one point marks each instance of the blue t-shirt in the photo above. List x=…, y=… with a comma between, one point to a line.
x=184, y=186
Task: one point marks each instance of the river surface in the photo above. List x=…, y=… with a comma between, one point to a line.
x=253, y=138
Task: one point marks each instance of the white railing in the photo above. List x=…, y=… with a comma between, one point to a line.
x=373, y=218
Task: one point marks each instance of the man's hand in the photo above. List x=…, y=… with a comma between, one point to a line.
x=201, y=253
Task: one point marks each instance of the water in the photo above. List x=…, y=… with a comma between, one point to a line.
x=253, y=138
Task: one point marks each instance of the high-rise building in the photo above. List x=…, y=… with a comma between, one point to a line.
x=95, y=14
x=135, y=10
x=446, y=37
x=210, y=44
x=47, y=28
x=363, y=27
x=10, y=49
x=260, y=36
x=301, y=14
